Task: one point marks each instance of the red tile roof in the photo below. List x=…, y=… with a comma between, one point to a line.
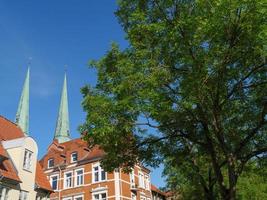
x=61, y=153
x=10, y=131
x=169, y=193
x=41, y=179
x=155, y=189
x=3, y=152
x=7, y=170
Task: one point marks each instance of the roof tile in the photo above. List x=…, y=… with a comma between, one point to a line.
x=61, y=153
x=9, y=130
x=155, y=189
x=8, y=170
x=41, y=179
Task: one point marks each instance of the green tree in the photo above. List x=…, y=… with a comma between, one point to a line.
x=195, y=71
x=253, y=182
x=191, y=177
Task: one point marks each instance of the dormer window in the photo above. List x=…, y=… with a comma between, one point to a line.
x=74, y=157
x=27, y=161
x=50, y=163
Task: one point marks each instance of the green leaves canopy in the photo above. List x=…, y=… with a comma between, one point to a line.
x=195, y=71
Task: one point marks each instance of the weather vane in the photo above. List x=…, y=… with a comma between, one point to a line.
x=29, y=61
x=65, y=67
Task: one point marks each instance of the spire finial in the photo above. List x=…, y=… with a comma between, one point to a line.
x=22, y=116
x=65, y=68
x=29, y=61
x=62, y=133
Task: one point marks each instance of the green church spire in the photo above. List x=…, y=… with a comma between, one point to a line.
x=22, y=116
x=62, y=133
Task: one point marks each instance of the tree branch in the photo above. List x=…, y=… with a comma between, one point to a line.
x=238, y=84
x=254, y=131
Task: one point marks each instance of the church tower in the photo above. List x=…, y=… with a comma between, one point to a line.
x=22, y=116
x=62, y=133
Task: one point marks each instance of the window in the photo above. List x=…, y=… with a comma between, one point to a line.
x=141, y=180
x=68, y=180
x=100, y=196
x=74, y=157
x=132, y=178
x=147, y=182
x=133, y=196
x=4, y=192
x=41, y=197
x=54, y=182
x=98, y=173
x=78, y=197
x=27, y=162
x=79, y=177
x=67, y=198
x=23, y=195
x=143, y=198
x=50, y=163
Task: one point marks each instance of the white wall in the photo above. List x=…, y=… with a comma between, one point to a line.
x=16, y=150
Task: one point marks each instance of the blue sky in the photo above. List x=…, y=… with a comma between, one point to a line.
x=54, y=34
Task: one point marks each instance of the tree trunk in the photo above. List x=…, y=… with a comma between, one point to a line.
x=209, y=195
x=230, y=194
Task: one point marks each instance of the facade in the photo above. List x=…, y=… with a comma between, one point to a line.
x=172, y=196
x=75, y=174
x=68, y=171
x=157, y=194
x=21, y=176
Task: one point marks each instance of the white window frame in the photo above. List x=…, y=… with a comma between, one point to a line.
x=142, y=197
x=48, y=163
x=100, y=170
x=147, y=182
x=4, y=191
x=99, y=193
x=65, y=179
x=132, y=178
x=55, y=175
x=71, y=157
x=79, y=196
x=23, y=195
x=141, y=179
x=27, y=160
x=133, y=196
x=67, y=198
x=76, y=177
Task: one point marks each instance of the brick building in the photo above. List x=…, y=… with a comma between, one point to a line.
x=157, y=194
x=68, y=171
x=75, y=173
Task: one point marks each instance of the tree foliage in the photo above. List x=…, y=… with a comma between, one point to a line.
x=252, y=183
x=190, y=87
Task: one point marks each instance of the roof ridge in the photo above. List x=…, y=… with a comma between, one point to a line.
x=71, y=141
x=1, y=116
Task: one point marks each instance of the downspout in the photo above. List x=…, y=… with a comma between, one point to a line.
x=59, y=182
